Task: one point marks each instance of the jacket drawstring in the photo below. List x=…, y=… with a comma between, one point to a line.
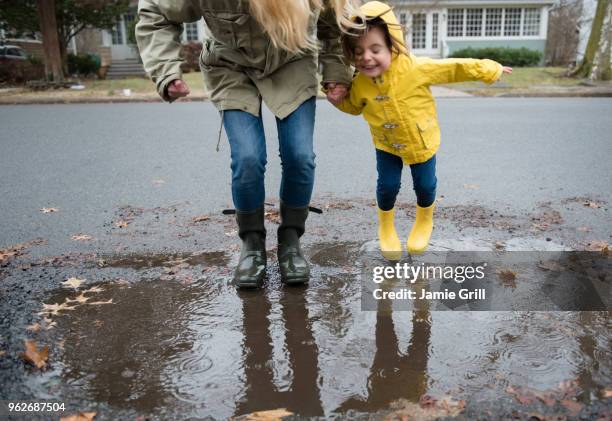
x=220, y=131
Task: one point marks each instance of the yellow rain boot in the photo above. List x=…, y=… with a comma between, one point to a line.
x=421, y=230
x=390, y=244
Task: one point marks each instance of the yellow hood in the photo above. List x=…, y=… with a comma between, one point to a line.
x=377, y=9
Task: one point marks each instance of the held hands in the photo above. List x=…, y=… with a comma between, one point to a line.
x=336, y=92
x=177, y=89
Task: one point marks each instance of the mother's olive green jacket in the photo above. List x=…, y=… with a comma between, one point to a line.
x=240, y=66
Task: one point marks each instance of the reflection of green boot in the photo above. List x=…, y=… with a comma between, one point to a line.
x=421, y=230
x=291, y=262
x=390, y=245
x=251, y=267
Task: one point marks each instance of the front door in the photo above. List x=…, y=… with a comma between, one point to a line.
x=122, y=48
x=424, y=33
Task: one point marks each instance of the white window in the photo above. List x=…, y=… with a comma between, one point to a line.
x=191, y=31
x=403, y=20
x=531, y=24
x=473, y=23
x=455, y=23
x=512, y=22
x=117, y=33
x=419, y=25
x=434, y=31
x=493, y=20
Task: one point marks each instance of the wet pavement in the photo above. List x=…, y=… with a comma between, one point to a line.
x=142, y=321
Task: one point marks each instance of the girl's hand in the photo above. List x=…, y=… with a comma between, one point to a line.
x=177, y=89
x=507, y=70
x=336, y=92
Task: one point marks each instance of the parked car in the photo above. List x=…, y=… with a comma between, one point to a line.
x=12, y=52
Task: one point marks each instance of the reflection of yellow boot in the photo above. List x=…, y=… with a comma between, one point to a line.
x=421, y=230
x=390, y=244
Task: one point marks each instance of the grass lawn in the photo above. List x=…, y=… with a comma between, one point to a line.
x=139, y=84
x=521, y=79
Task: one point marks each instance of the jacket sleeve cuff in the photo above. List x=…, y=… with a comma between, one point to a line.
x=336, y=72
x=162, y=85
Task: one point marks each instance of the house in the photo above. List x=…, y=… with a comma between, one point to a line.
x=434, y=28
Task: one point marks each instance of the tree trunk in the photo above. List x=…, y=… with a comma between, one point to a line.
x=48, y=28
x=596, y=61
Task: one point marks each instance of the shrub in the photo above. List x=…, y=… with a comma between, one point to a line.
x=20, y=71
x=83, y=64
x=515, y=57
x=190, y=52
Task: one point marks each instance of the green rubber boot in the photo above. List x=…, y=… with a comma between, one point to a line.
x=293, y=266
x=251, y=268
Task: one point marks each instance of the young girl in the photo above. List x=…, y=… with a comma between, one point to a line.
x=392, y=92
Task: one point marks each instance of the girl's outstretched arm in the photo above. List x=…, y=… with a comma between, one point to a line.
x=452, y=70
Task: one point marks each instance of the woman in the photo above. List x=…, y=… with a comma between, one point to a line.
x=257, y=50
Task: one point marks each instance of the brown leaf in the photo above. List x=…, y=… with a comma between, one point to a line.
x=546, y=399
x=607, y=393
x=592, y=205
x=49, y=210
x=499, y=245
x=524, y=399
x=426, y=401
x=34, y=327
x=200, y=218
x=597, y=245
x=81, y=416
x=339, y=205
x=270, y=415
x=572, y=406
x=551, y=266
x=121, y=224
x=34, y=356
x=507, y=277
x=273, y=216
x=81, y=237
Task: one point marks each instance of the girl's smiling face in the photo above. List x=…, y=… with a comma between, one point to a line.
x=372, y=55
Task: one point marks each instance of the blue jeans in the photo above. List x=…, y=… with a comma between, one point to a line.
x=248, y=150
x=389, y=169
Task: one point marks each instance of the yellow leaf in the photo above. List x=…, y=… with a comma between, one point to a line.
x=81, y=416
x=49, y=210
x=73, y=283
x=271, y=415
x=34, y=356
x=81, y=237
x=200, y=218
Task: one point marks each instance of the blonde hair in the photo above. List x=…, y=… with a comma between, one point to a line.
x=287, y=22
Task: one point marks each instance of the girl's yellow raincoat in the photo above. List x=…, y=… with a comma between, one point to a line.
x=398, y=105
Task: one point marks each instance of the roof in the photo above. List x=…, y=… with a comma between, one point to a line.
x=482, y=3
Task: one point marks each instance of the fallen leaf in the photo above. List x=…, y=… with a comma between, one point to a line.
x=426, y=401
x=7, y=254
x=592, y=205
x=231, y=233
x=471, y=186
x=273, y=216
x=61, y=343
x=95, y=303
x=159, y=182
x=81, y=237
x=81, y=416
x=121, y=224
x=499, y=245
x=339, y=205
x=55, y=308
x=507, y=277
x=572, y=406
x=34, y=356
x=546, y=399
x=49, y=210
x=98, y=323
x=73, y=282
x=584, y=229
x=597, y=245
x=49, y=323
x=93, y=290
x=34, y=327
x=200, y=218
x=551, y=266
x=607, y=393
x=81, y=298
x=271, y=415
x=2, y=353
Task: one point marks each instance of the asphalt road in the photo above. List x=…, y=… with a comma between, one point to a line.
x=507, y=153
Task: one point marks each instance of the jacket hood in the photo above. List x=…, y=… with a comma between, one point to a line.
x=377, y=9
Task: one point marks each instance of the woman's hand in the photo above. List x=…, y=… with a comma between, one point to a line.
x=177, y=89
x=336, y=92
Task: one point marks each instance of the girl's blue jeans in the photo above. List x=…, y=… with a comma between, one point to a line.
x=248, y=152
x=389, y=169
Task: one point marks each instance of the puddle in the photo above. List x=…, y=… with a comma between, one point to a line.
x=175, y=350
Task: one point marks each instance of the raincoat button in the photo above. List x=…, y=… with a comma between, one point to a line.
x=389, y=126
